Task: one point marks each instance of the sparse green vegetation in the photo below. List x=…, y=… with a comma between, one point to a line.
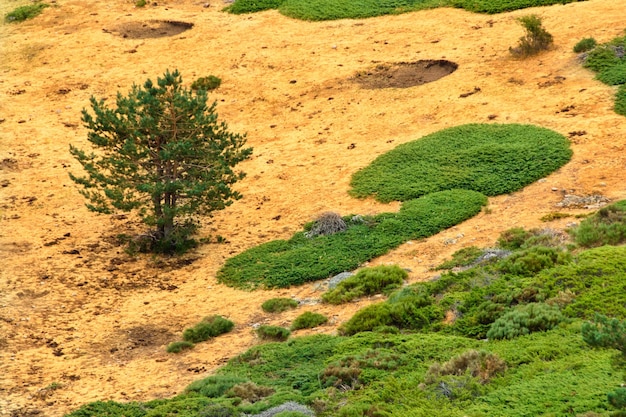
x=554, y=216
x=308, y=320
x=492, y=159
x=606, y=227
x=206, y=83
x=525, y=319
x=276, y=333
x=177, y=347
x=536, y=39
x=208, y=328
x=25, y=12
x=283, y=263
x=278, y=305
x=349, y=9
x=585, y=45
x=609, y=62
x=368, y=281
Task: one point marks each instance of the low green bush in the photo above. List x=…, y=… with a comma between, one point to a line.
x=604, y=56
x=276, y=333
x=500, y=6
x=366, y=282
x=308, y=320
x=283, y=263
x=410, y=308
x=315, y=10
x=606, y=227
x=177, y=347
x=525, y=319
x=214, y=386
x=492, y=159
x=614, y=75
x=206, y=83
x=25, y=12
x=529, y=262
x=252, y=6
x=535, y=40
x=110, y=409
x=249, y=391
x=584, y=45
x=208, y=328
x=518, y=238
x=278, y=305
x=595, y=277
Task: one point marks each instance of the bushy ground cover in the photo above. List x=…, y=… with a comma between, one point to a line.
x=315, y=10
x=609, y=62
x=25, y=12
x=492, y=159
x=283, y=263
x=442, y=180
x=368, y=281
x=400, y=357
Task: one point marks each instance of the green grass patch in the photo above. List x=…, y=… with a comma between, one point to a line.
x=283, y=263
x=490, y=159
x=275, y=333
x=208, y=328
x=252, y=6
x=316, y=10
x=278, y=305
x=609, y=62
x=606, y=227
x=584, y=45
x=500, y=6
x=368, y=281
x=177, y=347
x=25, y=12
x=308, y=320
x=596, y=280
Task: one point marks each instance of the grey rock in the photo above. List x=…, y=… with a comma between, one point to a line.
x=288, y=406
x=334, y=281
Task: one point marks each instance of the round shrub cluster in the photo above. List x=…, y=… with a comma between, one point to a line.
x=278, y=305
x=492, y=159
x=525, y=319
x=308, y=320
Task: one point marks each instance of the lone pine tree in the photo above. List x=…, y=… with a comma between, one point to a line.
x=162, y=152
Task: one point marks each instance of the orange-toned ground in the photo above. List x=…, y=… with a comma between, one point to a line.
x=75, y=310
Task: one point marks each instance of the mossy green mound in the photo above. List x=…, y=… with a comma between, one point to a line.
x=315, y=10
x=491, y=159
x=282, y=263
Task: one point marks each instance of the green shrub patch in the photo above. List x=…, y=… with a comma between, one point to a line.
x=315, y=10
x=25, y=12
x=275, y=333
x=283, y=263
x=368, y=281
x=208, y=328
x=491, y=159
x=308, y=320
x=278, y=305
x=606, y=227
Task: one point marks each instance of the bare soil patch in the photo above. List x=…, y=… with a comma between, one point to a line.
x=151, y=29
x=405, y=74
